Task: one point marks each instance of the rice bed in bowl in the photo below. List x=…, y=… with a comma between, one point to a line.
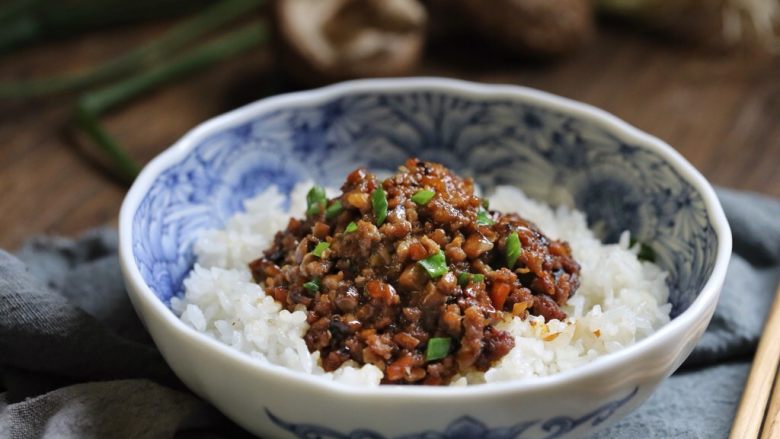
x=621, y=299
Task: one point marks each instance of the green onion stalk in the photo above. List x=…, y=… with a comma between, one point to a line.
x=138, y=59
x=26, y=21
x=93, y=104
x=13, y=9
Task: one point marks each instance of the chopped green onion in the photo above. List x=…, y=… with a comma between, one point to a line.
x=483, y=219
x=486, y=203
x=351, y=227
x=379, y=203
x=423, y=196
x=321, y=247
x=333, y=210
x=513, y=249
x=464, y=278
x=646, y=253
x=438, y=348
x=312, y=286
x=315, y=200
x=435, y=265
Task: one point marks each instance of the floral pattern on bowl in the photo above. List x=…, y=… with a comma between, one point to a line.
x=466, y=427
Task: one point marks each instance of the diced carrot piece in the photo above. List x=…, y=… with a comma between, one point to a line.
x=417, y=251
x=498, y=294
x=397, y=369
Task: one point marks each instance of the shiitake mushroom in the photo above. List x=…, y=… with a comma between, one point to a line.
x=331, y=40
x=544, y=27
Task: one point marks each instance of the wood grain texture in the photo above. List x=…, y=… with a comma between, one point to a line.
x=756, y=397
x=771, y=426
x=721, y=113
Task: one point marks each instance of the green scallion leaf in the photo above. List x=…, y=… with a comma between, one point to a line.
x=423, y=196
x=321, y=247
x=435, y=265
x=351, y=227
x=312, y=286
x=486, y=203
x=438, y=348
x=465, y=278
x=333, y=210
x=513, y=249
x=646, y=253
x=315, y=200
x=379, y=203
x=483, y=218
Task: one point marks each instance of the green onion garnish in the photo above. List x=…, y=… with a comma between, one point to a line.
x=435, y=265
x=379, y=203
x=438, y=348
x=423, y=196
x=351, y=227
x=646, y=253
x=483, y=219
x=513, y=249
x=333, y=210
x=315, y=200
x=312, y=286
x=464, y=278
x=486, y=203
x=321, y=247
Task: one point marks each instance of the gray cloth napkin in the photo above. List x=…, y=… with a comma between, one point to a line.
x=75, y=361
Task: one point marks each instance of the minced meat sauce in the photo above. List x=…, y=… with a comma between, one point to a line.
x=412, y=274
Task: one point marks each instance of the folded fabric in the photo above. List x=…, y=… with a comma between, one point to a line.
x=76, y=362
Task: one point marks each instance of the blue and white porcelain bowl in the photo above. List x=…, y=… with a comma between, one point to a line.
x=554, y=149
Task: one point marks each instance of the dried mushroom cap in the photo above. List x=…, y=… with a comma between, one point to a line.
x=544, y=27
x=331, y=40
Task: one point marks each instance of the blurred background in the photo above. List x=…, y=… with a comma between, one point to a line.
x=92, y=89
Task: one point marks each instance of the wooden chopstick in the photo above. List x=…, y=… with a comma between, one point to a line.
x=753, y=406
x=771, y=427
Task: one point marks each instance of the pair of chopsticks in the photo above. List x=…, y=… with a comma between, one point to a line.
x=758, y=414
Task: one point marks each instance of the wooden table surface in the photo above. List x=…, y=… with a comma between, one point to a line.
x=721, y=112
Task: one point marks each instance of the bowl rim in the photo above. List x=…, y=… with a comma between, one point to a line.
x=156, y=309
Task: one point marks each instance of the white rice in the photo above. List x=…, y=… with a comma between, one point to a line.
x=620, y=301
